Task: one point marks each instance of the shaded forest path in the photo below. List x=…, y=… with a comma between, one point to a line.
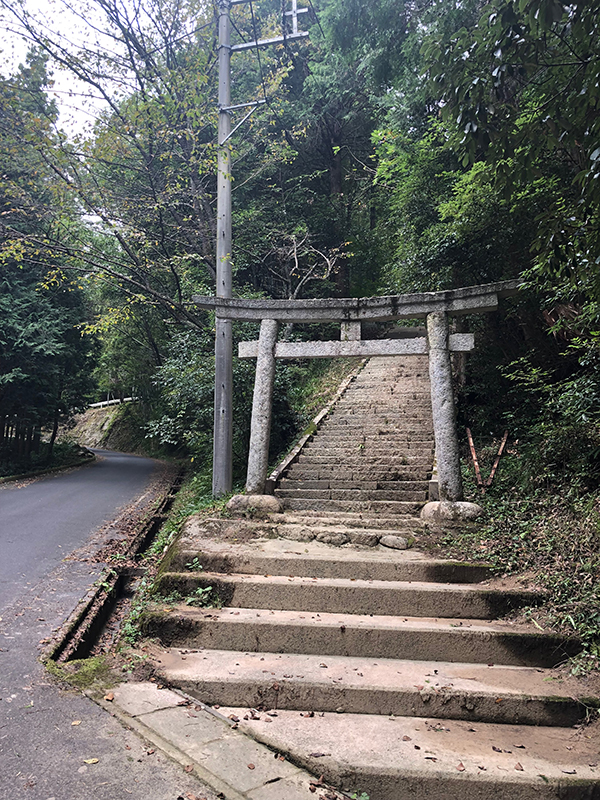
x=364, y=661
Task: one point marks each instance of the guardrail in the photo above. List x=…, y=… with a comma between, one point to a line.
x=105, y=403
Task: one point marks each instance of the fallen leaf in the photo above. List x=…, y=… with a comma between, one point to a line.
x=519, y=746
x=518, y=767
x=109, y=697
x=76, y=722
x=251, y=766
x=406, y=739
x=90, y=760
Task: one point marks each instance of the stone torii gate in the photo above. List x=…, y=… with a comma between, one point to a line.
x=435, y=307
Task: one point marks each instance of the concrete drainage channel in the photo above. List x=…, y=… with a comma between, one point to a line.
x=117, y=585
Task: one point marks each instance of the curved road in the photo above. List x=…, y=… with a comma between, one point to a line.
x=42, y=521
x=56, y=744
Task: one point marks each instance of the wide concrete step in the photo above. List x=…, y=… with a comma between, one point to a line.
x=351, y=595
x=421, y=639
x=411, y=758
x=440, y=689
x=368, y=485
x=399, y=493
x=402, y=507
x=317, y=560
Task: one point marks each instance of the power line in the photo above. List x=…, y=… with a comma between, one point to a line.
x=262, y=79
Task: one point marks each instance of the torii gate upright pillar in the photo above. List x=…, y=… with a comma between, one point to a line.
x=443, y=408
x=260, y=429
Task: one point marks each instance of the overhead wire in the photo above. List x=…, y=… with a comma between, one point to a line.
x=316, y=16
x=260, y=69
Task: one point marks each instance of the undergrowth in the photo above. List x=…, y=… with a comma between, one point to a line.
x=193, y=497
x=550, y=532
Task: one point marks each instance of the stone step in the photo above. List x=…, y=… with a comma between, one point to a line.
x=401, y=507
x=389, y=439
x=407, y=485
x=348, y=450
x=281, y=557
x=323, y=634
x=410, y=460
x=411, y=758
x=339, y=535
x=351, y=595
x=350, y=520
x=387, y=422
x=444, y=690
x=335, y=472
x=379, y=432
x=354, y=495
x=333, y=531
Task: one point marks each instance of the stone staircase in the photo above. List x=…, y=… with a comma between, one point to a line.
x=374, y=453
x=378, y=667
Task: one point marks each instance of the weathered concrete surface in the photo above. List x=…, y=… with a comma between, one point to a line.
x=353, y=595
x=260, y=428
x=444, y=690
x=208, y=745
x=398, y=758
x=281, y=557
x=417, y=638
x=443, y=410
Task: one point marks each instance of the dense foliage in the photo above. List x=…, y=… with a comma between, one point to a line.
x=45, y=360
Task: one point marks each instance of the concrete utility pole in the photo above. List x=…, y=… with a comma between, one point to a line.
x=223, y=422
x=223, y=419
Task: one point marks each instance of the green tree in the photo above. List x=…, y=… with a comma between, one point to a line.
x=520, y=88
x=44, y=359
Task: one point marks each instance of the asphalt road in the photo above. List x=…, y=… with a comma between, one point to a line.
x=56, y=743
x=41, y=521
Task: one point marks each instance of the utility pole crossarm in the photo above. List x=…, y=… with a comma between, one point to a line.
x=265, y=42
